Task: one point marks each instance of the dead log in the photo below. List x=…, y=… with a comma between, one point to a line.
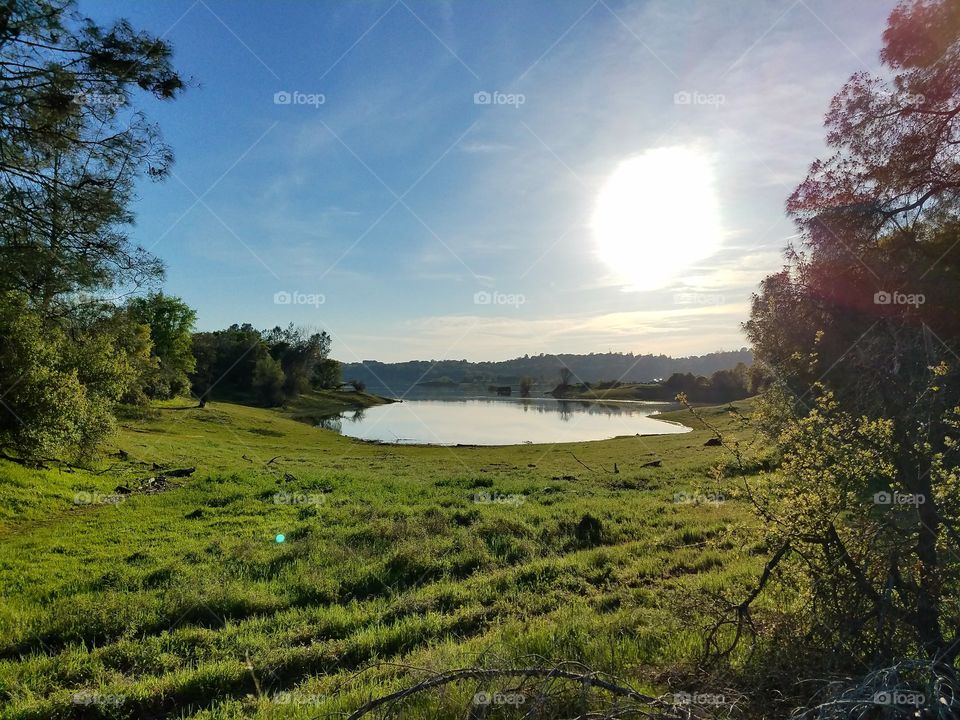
x=182, y=472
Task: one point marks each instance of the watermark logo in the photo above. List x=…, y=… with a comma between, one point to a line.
x=499, y=499
x=498, y=98
x=898, y=498
x=498, y=298
x=97, y=498
x=87, y=697
x=698, y=299
x=283, y=297
x=899, y=697
x=882, y=297
x=684, y=498
x=285, y=498
x=100, y=99
x=694, y=97
x=902, y=98
x=686, y=698
x=497, y=698
x=295, y=97
x=290, y=698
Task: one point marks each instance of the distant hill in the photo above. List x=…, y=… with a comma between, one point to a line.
x=545, y=369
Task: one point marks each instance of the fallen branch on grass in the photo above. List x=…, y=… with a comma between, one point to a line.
x=651, y=707
x=615, y=471
x=738, y=615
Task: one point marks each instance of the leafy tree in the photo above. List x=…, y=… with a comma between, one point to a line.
x=226, y=359
x=268, y=381
x=327, y=374
x=861, y=335
x=729, y=384
x=71, y=146
x=59, y=388
x=112, y=352
x=526, y=385
x=170, y=321
x=202, y=379
x=233, y=360
x=298, y=355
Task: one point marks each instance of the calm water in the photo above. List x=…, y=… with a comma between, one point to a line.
x=488, y=421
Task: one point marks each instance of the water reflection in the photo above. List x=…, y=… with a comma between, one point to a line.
x=502, y=421
x=566, y=408
x=334, y=422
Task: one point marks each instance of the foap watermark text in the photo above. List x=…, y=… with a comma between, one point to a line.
x=694, y=498
x=498, y=698
x=898, y=498
x=695, y=97
x=882, y=297
x=499, y=98
x=484, y=297
x=295, y=97
x=498, y=499
x=284, y=297
x=298, y=498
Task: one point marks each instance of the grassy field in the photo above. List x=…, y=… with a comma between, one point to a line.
x=293, y=558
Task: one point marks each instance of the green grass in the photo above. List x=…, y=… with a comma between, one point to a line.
x=182, y=603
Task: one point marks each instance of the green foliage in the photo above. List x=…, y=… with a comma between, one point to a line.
x=170, y=322
x=59, y=388
x=298, y=354
x=72, y=150
x=243, y=361
x=112, y=353
x=722, y=386
x=73, y=147
x=226, y=358
x=268, y=381
x=327, y=374
x=855, y=526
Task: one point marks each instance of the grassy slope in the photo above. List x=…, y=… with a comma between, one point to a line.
x=165, y=602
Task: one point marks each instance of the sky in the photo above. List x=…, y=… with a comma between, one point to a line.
x=481, y=180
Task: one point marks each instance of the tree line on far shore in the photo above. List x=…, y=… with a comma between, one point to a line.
x=727, y=385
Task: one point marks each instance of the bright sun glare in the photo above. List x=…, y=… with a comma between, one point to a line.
x=657, y=215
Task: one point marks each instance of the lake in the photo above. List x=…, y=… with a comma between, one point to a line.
x=502, y=421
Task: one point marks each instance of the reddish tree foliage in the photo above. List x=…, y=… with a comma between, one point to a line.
x=896, y=142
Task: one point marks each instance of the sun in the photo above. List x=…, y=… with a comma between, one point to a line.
x=656, y=215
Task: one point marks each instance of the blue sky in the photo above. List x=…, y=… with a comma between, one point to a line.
x=389, y=204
